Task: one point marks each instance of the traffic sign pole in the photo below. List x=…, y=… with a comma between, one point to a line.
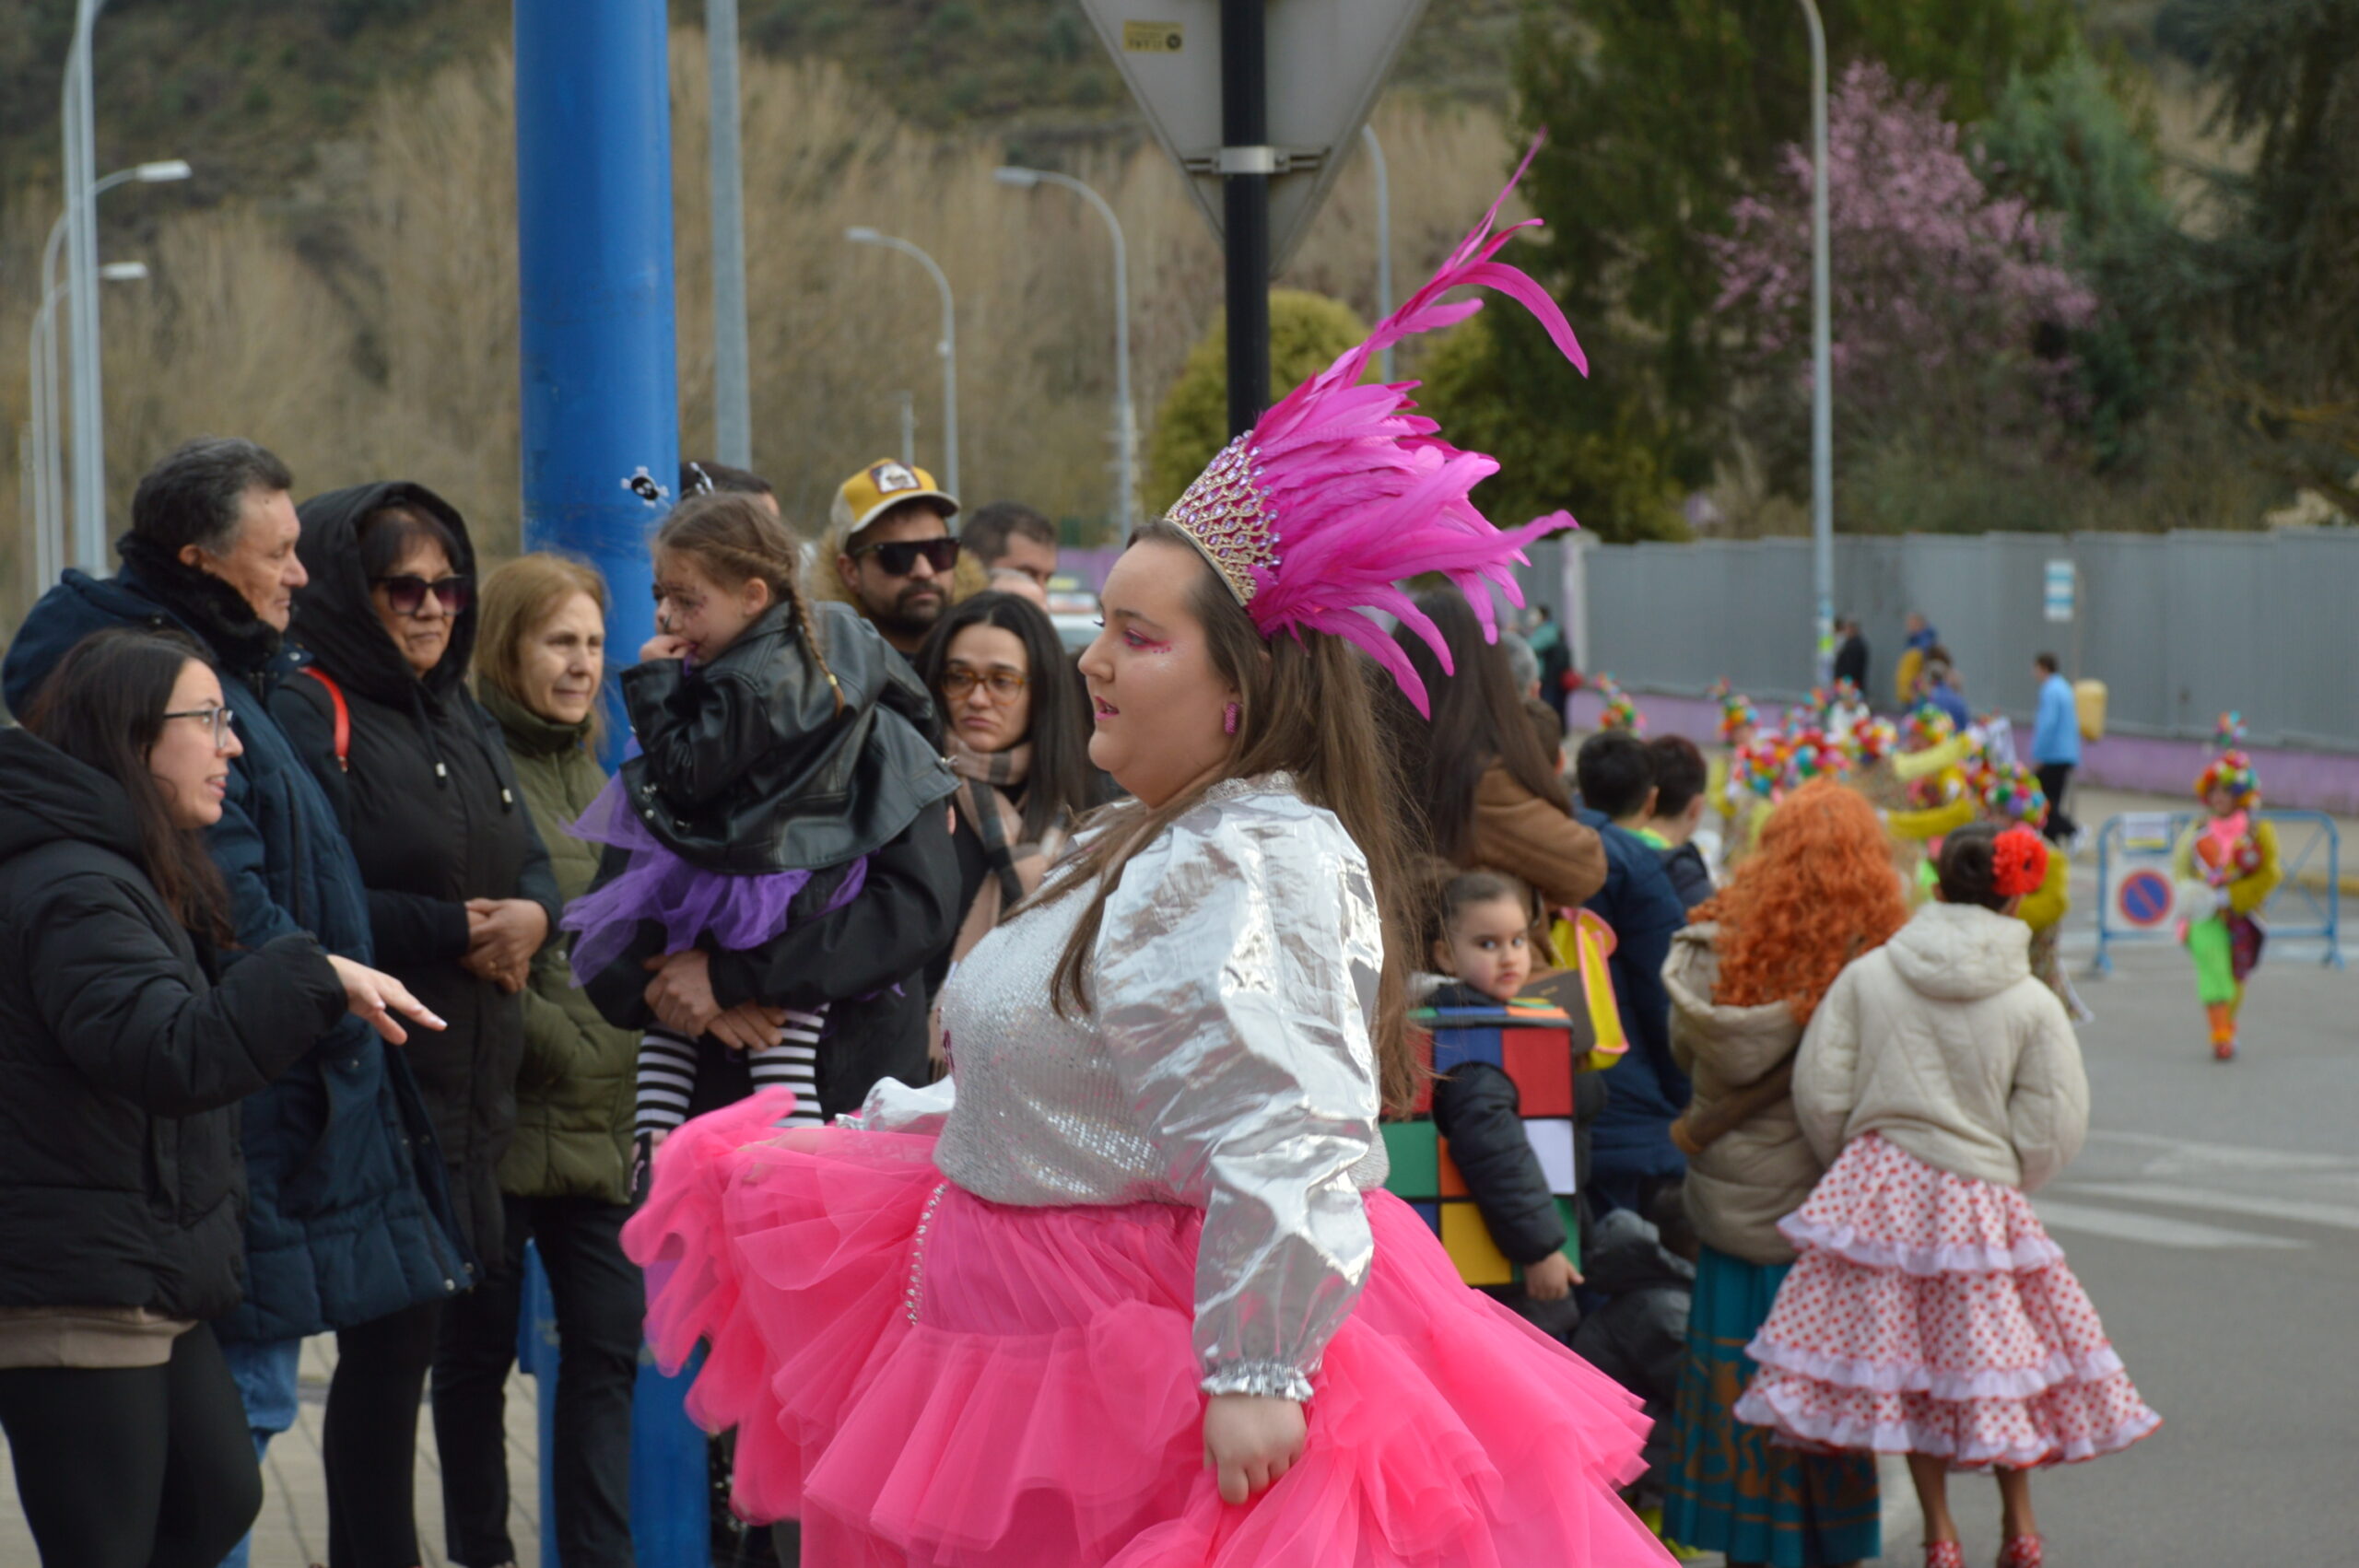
x=1246, y=161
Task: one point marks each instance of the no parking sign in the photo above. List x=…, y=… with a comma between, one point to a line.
x=2146, y=898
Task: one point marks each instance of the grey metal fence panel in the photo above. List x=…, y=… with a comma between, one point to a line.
x=2180, y=626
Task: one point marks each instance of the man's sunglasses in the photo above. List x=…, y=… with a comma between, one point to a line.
x=900, y=558
x=407, y=594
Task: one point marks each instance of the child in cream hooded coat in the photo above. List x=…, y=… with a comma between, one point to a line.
x=1930, y=1313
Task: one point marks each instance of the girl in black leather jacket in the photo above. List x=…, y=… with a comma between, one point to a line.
x=778, y=870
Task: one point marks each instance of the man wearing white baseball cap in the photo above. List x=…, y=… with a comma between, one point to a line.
x=889, y=534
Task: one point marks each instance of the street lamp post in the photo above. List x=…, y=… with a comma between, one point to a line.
x=947, y=347
x=49, y=477
x=1383, y=240
x=79, y=143
x=1822, y=389
x=904, y=405
x=1125, y=423
x=732, y=417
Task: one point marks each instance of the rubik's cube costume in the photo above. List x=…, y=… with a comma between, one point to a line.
x=1489, y=1157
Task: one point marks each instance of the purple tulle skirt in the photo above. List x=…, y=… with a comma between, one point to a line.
x=735, y=912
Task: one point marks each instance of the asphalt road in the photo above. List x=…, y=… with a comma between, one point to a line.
x=2214, y=1220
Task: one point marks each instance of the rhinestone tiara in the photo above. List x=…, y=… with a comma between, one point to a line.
x=1226, y=515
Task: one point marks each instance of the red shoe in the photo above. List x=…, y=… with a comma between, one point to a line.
x=1944, y=1554
x=2221, y=1050
x=2021, y=1551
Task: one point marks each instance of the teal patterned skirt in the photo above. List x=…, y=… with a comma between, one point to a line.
x=1730, y=1490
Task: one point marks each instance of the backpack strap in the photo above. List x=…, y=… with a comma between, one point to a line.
x=343, y=716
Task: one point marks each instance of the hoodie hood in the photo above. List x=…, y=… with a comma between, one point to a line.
x=334, y=617
x=46, y=796
x=1961, y=951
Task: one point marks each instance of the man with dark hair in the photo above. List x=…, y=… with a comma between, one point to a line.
x=1645, y=1090
x=703, y=476
x=1010, y=537
x=348, y=1221
x=1616, y=774
x=1851, y=654
x=2056, y=743
x=1681, y=778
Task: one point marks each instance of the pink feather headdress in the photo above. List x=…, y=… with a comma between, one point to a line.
x=1339, y=491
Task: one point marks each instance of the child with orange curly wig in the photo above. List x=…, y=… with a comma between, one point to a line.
x=1817, y=891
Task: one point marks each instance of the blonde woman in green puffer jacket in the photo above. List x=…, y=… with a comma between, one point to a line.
x=565, y=1180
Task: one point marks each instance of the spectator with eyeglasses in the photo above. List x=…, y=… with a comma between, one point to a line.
x=127, y=1043
x=348, y=1221
x=460, y=897
x=1018, y=735
x=896, y=561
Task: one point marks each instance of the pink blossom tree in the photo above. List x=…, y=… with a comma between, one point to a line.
x=1950, y=302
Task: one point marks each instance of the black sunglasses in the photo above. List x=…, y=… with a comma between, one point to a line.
x=900, y=558
x=406, y=593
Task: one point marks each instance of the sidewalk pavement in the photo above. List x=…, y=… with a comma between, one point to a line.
x=293, y=1529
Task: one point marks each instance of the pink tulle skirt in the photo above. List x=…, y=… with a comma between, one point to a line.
x=923, y=1377
x=1930, y=1314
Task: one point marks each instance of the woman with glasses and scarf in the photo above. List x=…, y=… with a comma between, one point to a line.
x=460, y=900
x=1017, y=731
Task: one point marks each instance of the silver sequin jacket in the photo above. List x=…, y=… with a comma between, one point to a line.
x=1225, y=1062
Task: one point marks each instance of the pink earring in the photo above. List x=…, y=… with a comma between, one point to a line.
x=1228, y=720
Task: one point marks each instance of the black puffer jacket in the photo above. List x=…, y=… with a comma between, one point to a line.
x=748, y=765
x=121, y=1060
x=427, y=796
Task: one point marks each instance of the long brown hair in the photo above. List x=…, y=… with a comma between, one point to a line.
x=1479, y=721
x=518, y=600
x=104, y=705
x=1817, y=891
x=736, y=540
x=1307, y=707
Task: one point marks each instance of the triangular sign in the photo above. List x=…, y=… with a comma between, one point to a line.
x=1327, y=60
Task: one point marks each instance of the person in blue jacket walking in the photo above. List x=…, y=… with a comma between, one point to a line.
x=2056, y=743
x=348, y=1220
x=1645, y=1092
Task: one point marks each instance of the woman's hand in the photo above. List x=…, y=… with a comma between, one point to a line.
x=376, y=996
x=1251, y=1440
x=1551, y=1278
x=502, y=936
x=681, y=993
x=662, y=645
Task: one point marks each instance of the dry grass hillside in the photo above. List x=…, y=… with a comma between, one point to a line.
x=371, y=331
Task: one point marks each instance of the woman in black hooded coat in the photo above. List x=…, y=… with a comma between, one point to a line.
x=459, y=898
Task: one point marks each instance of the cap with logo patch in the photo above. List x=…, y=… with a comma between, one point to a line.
x=878, y=488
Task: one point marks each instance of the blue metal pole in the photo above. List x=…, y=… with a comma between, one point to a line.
x=594, y=211
x=601, y=445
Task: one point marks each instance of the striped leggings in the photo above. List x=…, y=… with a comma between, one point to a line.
x=667, y=1073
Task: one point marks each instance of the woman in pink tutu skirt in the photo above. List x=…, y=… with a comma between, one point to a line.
x=1929, y=1314
x=1126, y=1290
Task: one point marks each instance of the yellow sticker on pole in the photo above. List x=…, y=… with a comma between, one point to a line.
x=1152, y=38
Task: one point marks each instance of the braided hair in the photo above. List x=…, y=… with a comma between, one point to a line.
x=735, y=539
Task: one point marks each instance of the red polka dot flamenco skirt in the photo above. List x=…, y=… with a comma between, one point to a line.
x=1930, y=1314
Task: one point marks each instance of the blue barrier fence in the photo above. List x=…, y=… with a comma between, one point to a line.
x=2136, y=884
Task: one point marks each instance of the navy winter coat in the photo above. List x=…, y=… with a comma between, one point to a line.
x=349, y=1219
x=1645, y=1090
